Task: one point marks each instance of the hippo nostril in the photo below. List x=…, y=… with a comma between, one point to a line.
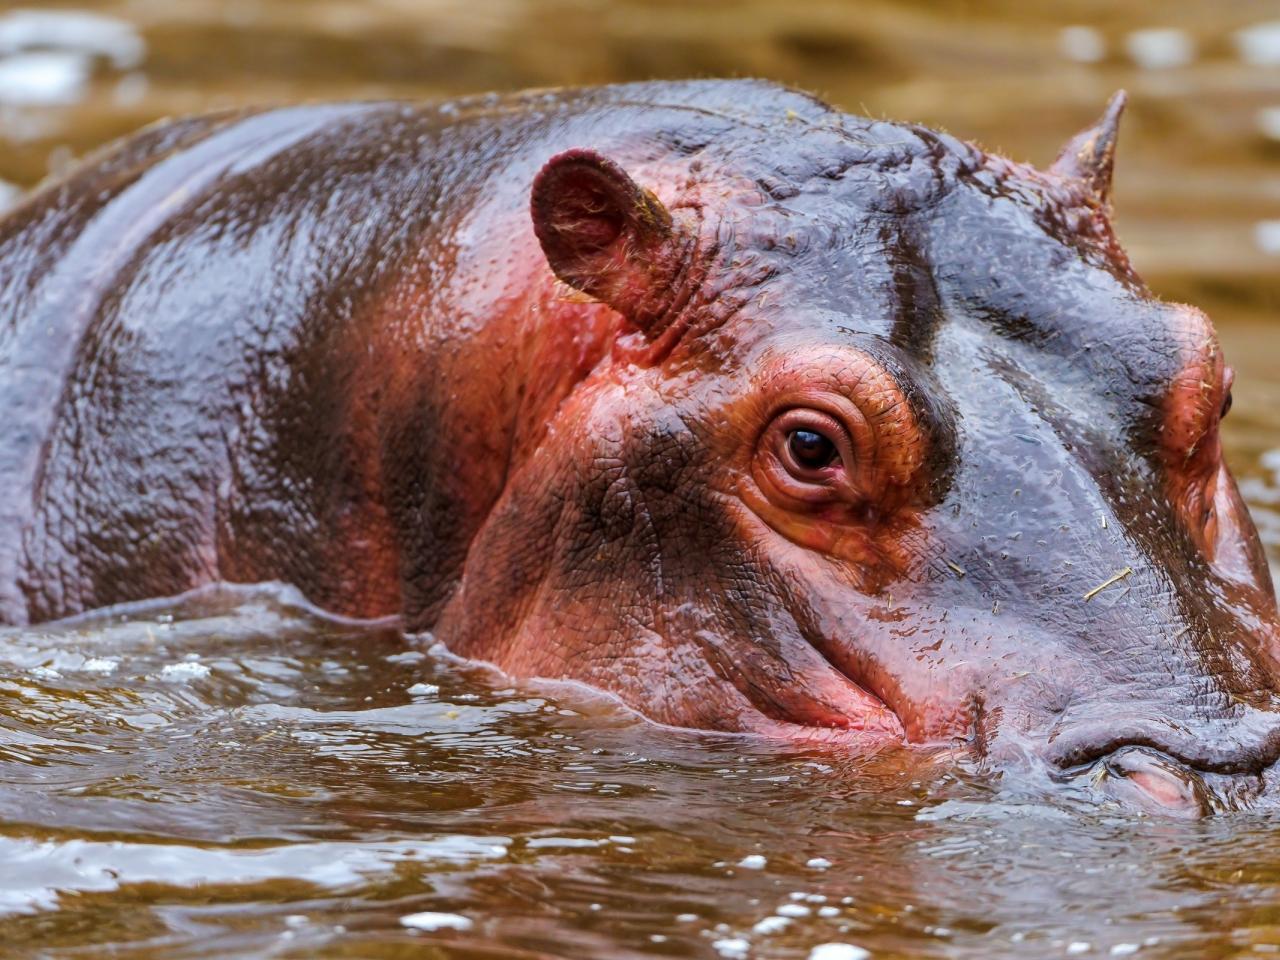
x=1243, y=749
x=1153, y=781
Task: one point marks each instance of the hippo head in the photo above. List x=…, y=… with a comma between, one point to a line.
x=891, y=446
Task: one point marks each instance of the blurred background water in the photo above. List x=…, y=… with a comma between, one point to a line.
x=232, y=777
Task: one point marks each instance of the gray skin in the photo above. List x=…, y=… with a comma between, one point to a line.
x=335, y=346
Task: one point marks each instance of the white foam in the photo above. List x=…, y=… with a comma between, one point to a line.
x=409, y=656
x=183, y=672
x=103, y=665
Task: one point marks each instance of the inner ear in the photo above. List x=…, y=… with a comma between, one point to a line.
x=605, y=235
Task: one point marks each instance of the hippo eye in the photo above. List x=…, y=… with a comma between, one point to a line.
x=810, y=449
x=1226, y=406
x=841, y=447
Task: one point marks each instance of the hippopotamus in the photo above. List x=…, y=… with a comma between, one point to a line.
x=760, y=417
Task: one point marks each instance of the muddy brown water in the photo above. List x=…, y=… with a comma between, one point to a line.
x=232, y=775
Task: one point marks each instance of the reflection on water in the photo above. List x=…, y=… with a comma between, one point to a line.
x=234, y=777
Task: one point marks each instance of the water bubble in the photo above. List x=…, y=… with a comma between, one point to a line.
x=733, y=948
x=838, y=951
x=1160, y=48
x=1260, y=44
x=1082, y=44
x=44, y=78
x=771, y=925
x=73, y=30
x=9, y=194
x=1268, y=119
x=1266, y=234
x=47, y=57
x=436, y=921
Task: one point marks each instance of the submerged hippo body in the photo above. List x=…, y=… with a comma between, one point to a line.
x=760, y=417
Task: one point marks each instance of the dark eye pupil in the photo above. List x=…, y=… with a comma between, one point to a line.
x=1226, y=406
x=811, y=450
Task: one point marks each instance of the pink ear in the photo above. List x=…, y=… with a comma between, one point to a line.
x=606, y=236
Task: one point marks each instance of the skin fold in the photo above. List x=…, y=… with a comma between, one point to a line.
x=761, y=417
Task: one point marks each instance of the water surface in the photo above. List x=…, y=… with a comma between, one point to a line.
x=234, y=776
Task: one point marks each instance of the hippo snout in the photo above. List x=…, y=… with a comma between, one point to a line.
x=1168, y=769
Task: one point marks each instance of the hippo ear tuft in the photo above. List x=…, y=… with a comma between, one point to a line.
x=606, y=236
x=1089, y=157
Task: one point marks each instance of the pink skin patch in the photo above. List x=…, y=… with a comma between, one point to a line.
x=1190, y=440
x=1154, y=782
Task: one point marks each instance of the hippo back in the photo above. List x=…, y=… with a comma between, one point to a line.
x=198, y=327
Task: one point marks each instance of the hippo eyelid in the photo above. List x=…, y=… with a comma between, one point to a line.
x=830, y=428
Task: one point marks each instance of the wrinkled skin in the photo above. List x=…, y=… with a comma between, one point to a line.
x=760, y=417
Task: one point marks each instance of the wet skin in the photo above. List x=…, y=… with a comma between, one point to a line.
x=758, y=416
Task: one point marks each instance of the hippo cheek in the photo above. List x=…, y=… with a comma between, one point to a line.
x=798, y=694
